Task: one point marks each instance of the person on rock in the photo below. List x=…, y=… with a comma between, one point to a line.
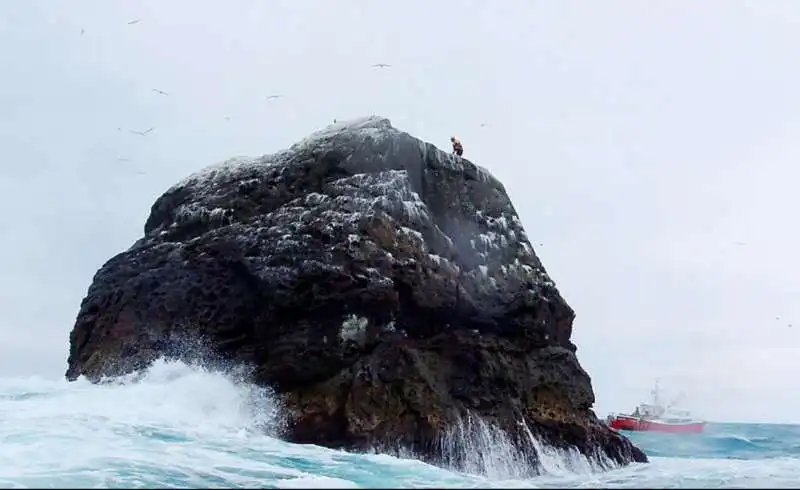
x=458, y=149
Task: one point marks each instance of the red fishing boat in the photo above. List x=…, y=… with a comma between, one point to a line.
x=657, y=417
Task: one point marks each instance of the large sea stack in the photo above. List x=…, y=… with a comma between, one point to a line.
x=385, y=289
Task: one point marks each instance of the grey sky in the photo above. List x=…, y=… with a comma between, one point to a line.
x=652, y=147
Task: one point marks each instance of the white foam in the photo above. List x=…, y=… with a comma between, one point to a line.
x=482, y=449
x=315, y=482
x=183, y=426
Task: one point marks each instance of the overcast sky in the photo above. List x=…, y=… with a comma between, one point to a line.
x=651, y=148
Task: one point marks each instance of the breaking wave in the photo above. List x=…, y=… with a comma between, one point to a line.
x=177, y=425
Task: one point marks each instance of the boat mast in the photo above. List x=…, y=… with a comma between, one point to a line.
x=656, y=400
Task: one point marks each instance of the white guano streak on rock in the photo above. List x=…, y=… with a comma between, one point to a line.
x=366, y=193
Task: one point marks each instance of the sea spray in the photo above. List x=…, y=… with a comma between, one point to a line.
x=477, y=447
x=555, y=461
x=183, y=426
x=179, y=424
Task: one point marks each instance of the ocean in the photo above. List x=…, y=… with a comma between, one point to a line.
x=182, y=426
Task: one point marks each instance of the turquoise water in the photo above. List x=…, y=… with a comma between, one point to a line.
x=181, y=426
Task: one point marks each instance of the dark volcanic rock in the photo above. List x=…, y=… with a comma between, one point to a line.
x=385, y=288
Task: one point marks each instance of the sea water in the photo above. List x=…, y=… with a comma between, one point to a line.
x=183, y=426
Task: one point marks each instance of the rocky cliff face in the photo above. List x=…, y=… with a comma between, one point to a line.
x=383, y=287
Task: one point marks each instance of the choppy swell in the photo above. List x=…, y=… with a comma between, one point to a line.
x=182, y=426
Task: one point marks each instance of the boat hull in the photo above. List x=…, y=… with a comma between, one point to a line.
x=637, y=424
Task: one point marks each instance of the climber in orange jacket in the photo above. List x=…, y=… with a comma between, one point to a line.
x=458, y=149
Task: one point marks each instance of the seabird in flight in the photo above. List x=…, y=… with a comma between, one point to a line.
x=142, y=133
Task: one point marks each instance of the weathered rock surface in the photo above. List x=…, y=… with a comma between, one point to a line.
x=383, y=287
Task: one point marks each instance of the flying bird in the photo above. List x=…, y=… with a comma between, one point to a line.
x=142, y=133
x=135, y=21
x=82, y=31
x=381, y=65
x=160, y=91
x=270, y=97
